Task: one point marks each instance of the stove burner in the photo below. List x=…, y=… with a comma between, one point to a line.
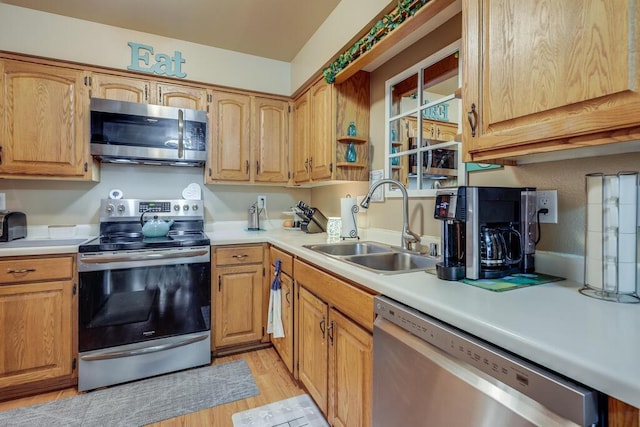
x=132, y=241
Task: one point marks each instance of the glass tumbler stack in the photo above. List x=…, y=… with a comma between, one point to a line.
x=611, y=241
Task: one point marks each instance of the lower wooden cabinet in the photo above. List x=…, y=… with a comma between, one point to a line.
x=284, y=345
x=38, y=306
x=335, y=345
x=238, y=293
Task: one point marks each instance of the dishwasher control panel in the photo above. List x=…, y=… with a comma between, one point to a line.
x=534, y=381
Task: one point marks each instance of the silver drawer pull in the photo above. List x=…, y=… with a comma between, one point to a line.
x=21, y=270
x=240, y=256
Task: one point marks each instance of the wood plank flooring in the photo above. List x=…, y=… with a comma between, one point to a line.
x=270, y=374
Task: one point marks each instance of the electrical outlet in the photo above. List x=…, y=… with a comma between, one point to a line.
x=3, y=201
x=262, y=202
x=547, y=199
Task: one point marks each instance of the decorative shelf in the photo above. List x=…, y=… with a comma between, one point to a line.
x=354, y=139
x=350, y=165
x=391, y=38
x=397, y=144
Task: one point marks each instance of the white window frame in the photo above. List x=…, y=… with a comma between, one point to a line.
x=417, y=69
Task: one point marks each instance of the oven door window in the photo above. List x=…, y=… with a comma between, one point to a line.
x=125, y=306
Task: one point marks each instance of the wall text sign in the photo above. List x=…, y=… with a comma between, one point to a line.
x=143, y=59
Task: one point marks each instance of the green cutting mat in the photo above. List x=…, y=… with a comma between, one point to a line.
x=514, y=281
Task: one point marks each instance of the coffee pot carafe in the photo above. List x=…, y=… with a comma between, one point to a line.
x=253, y=221
x=495, y=253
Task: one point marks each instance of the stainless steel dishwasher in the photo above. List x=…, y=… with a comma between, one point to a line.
x=427, y=373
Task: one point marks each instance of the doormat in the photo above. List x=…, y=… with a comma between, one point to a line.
x=514, y=281
x=296, y=411
x=142, y=402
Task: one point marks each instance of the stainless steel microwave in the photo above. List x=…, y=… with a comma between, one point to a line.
x=129, y=132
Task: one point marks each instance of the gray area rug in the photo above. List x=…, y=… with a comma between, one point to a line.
x=142, y=402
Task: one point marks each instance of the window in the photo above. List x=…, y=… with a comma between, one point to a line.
x=422, y=118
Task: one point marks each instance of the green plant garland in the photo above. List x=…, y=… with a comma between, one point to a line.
x=388, y=23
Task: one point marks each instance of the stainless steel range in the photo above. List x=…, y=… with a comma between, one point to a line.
x=144, y=302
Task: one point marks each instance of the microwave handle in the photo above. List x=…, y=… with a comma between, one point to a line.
x=180, y=134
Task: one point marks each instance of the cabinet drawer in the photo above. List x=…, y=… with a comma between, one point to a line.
x=287, y=260
x=234, y=255
x=17, y=270
x=348, y=299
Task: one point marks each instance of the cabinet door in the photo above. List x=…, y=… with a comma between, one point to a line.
x=36, y=321
x=301, y=129
x=350, y=373
x=284, y=346
x=312, y=346
x=181, y=96
x=230, y=129
x=44, y=121
x=543, y=71
x=322, y=131
x=238, y=305
x=270, y=140
x=120, y=88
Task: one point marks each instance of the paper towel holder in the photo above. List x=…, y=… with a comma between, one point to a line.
x=350, y=232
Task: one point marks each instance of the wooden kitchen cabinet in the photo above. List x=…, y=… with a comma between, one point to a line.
x=284, y=345
x=238, y=291
x=44, y=124
x=335, y=345
x=38, y=306
x=130, y=89
x=230, y=127
x=545, y=76
x=250, y=139
x=322, y=115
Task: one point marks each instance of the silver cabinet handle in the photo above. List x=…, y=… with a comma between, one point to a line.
x=21, y=270
x=180, y=134
x=240, y=257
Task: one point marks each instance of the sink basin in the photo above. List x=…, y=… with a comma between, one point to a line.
x=393, y=262
x=350, y=248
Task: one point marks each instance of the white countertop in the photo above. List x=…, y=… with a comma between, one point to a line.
x=591, y=341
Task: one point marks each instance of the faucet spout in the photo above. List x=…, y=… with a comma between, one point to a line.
x=408, y=237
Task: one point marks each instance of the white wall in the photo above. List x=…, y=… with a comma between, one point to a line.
x=70, y=202
x=54, y=36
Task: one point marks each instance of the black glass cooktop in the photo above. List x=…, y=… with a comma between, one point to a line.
x=133, y=241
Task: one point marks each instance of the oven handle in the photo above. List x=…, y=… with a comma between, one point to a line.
x=105, y=259
x=145, y=350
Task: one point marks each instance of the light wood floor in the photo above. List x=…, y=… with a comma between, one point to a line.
x=271, y=376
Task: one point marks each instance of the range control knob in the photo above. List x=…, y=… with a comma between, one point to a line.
x=176, y=207
x=194, y=207
x=185, y=207
x=121, y=208
x=110, y=208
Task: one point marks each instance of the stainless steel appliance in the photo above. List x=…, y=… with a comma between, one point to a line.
x=144, y=302
x=428, y=373
x=128, y=132
x=313, y=221
x=13, y=225
x=487, y=232
x=253, y=221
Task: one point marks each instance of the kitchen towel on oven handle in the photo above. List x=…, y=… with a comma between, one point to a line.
x=274, y=319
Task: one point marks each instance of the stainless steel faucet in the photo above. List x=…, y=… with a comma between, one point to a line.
x=409, y=238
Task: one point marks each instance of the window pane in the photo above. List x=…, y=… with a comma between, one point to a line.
x=404, y=96
x=440, y=120
x=440, y=167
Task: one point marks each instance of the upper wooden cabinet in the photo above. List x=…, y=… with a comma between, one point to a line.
x=44, y=125
x=230, y=127
x=322, y=115
x=250, y=139
x=546, y=75
x=144, y=91
x=120, y=88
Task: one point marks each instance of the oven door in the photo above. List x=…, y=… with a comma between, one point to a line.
x=129, y=297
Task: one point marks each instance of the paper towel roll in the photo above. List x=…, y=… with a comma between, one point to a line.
x=348, y=210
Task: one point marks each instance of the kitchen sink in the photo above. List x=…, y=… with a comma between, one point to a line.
x=350, y=248
x=376, y=257
x=394, y=262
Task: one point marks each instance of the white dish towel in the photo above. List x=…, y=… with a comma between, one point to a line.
x=274, y=319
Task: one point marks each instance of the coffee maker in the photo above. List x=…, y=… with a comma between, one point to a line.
x=487, y=232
